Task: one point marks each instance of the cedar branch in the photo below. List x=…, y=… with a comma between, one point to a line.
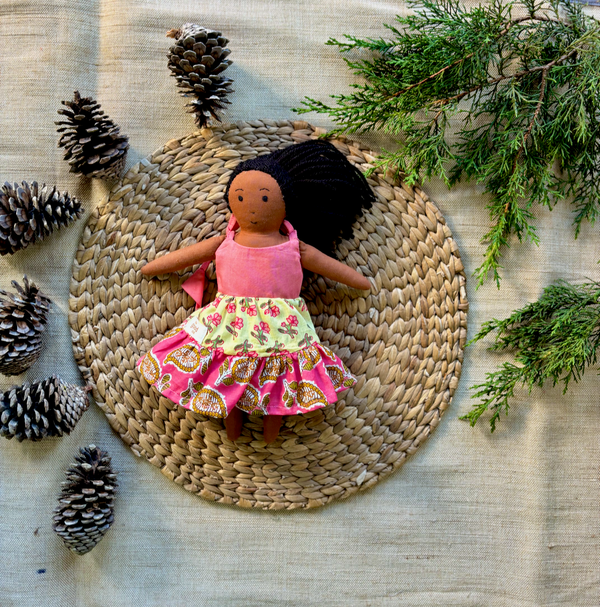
x=521, y=74
x=468, y=56
x=491, y=65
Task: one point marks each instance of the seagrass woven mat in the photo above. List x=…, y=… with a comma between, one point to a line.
x=404, y=341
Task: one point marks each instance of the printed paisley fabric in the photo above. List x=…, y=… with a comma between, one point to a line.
x=259, y=354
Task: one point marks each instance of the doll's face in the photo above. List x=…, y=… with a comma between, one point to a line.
x=256, y=201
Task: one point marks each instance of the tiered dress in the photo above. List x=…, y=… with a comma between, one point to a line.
x=255, y=346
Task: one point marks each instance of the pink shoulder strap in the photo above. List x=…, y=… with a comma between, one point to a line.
x=290, y=230
x=231, y=227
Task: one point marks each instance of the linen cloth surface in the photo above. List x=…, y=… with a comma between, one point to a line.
x=471, y=519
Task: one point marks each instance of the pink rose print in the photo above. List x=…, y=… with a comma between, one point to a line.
x=288, y=326
x=217, y=301
x=238, y=323
x=274, y=311
x=252, y=311
x=231, y=308
x=214, y=318
x=260, y=333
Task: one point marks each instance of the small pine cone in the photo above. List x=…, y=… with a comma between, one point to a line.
x=85, y=506
x=94, y=146
x=44, y=408
x=29, y=213
x=197, y=60
x=23, y=318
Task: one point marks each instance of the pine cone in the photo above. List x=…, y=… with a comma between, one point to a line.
x=85, y=509
x=23, y=318
x=94, y=146
x=196, y=60
x=44, y=408
x=29, y=213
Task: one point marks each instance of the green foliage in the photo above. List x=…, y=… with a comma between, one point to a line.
x=512, y=102
x=555, y=338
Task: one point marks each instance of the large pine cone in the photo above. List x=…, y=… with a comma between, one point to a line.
x=23, y=318
x=197, y=60
x=85, y=510
x=44, y=408
x=29, y=213
x=94, y=146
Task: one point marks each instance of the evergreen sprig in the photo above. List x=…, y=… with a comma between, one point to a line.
x=512, y=102
x=555, y=338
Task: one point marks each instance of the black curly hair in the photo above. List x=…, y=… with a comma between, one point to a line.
x=323, y=193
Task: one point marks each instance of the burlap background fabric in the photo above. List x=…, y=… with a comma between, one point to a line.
x=471, y=519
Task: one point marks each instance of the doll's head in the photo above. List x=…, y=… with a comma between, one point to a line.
x=322, y=192
x=256, y=200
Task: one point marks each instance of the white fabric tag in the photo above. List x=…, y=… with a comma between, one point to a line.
x=194, y=328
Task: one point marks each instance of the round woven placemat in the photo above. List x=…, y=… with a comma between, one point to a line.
x=404, y=341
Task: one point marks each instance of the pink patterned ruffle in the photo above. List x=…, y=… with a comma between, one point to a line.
x=210, y=382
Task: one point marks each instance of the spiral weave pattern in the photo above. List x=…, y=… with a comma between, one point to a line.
x=404, y=341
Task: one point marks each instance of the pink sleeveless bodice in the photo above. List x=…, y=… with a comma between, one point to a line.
x=274, y=271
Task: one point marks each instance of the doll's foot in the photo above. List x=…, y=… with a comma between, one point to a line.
x=271, y=427
x=233, y=424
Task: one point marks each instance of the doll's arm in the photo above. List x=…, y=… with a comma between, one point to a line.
x=183, y=258
x=315, y=261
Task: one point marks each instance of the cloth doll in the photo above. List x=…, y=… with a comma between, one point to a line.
x=254, y=349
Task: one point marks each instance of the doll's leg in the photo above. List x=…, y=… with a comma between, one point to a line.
x=233, y=423
x=271, y=427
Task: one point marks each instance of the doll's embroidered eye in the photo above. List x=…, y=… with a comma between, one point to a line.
x=240, y=198
x=265, y=199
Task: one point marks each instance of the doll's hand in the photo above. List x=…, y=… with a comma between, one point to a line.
x=183, y=258
x=315, y=261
